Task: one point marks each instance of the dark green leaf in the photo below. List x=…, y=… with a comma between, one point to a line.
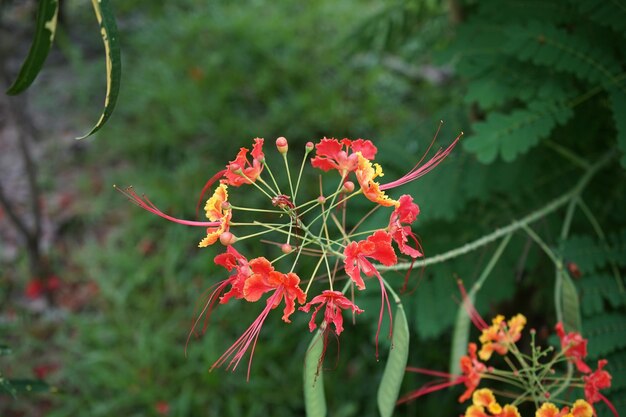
x=5, y=350
x=396, y=364
x=44, y=35
x=30, y=385
x=108, y=29
x=314, y=399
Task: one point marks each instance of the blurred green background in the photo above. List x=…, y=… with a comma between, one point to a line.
x=538, y=87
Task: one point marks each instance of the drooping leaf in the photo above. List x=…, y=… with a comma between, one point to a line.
x=44, y=36
x=108, y=30
x=314, y=398
x=389, y=387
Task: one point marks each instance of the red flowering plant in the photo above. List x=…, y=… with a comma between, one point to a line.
x=533, y=376
x=316, y=228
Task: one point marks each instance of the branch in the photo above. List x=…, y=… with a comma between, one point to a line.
x=513, y=226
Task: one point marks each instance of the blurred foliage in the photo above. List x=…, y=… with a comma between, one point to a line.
x=203, y=78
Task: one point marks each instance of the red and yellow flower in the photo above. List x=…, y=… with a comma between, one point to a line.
x=500, y=335
x=366, y=173
x=574, y=347
x=333, y=154
x=335, y=302
x=241, y=170
x=217, y=211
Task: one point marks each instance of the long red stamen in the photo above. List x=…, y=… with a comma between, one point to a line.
x=147, y=205
x=249, y=337
x=430, y=372
x=384, y=299
x=419, y=171
x=208, y=308
x=474, y=316
x=609, y=404
x=428, y=388
x=206, y=187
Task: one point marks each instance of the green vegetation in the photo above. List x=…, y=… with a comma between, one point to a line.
x=539, y=89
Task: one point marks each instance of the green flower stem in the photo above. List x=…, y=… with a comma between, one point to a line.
x=255, y=209
x=288, y=174
x=306, y=291
x=306, y=153
x=240, y=172
x=269, y=171
x=513, y=226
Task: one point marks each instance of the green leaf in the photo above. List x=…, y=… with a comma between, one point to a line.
x=515, y=133
x=389, y=387
x=108, y=29
x=618, y=106
x=30, y=385
x=570, y=304
x=5, y=350
x=314, y=399
x=44, y=35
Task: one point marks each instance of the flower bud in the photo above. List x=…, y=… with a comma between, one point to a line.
x=309, y=146
x=227, y=238
x=225, y=206
x=348, y=186
x=286, y=248
x=235, y=167
x=321, y=199
x=282, y=145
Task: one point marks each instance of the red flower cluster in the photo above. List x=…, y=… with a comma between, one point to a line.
x=251, y=279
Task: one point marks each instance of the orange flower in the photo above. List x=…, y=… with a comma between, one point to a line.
x=241, y=171
x=472, y=369
x=485, y=398
x=484, y=404
x=500, y=335
x=581, y=408
x=365, y=175
x=263, y=279
x=330, y=154
x=215, y=211
x=574, y=347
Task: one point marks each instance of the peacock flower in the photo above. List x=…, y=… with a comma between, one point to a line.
x=241, y=171
x=597, y=380
x=581, y=408
x=399, y=226
x=484, y=404
x=485, y=398
x=236, y=263
x=471, y=368
x=217, y=211
x=500, y=335
x=366, y=173
x=549, y=410
x=574, y=347
x=264, y=279
x=335, y=302
x=377, y=247
x=333, y=154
